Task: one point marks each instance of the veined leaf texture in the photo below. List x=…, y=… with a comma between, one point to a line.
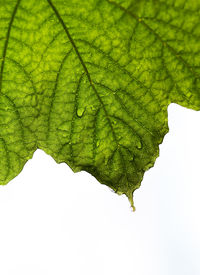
x=89, y=82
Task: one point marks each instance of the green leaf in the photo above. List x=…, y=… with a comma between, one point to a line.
x=89, y=82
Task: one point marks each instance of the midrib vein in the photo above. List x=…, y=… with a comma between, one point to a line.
x=7, y=41
x=89, y=79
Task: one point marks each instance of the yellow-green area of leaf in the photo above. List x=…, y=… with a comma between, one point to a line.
x=89, y=82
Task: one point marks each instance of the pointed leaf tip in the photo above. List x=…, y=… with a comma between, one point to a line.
x=130, y=198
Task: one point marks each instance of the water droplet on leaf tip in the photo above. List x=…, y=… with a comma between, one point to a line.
x=80, y=112
x=139, y=145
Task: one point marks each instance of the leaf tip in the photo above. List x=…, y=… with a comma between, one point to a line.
x=130, y=198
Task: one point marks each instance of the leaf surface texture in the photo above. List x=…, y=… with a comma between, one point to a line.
x=89, y=82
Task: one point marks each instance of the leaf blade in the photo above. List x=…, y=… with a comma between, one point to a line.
x=90, y=83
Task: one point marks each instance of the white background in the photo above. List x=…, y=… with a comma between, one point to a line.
x=53, y=221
